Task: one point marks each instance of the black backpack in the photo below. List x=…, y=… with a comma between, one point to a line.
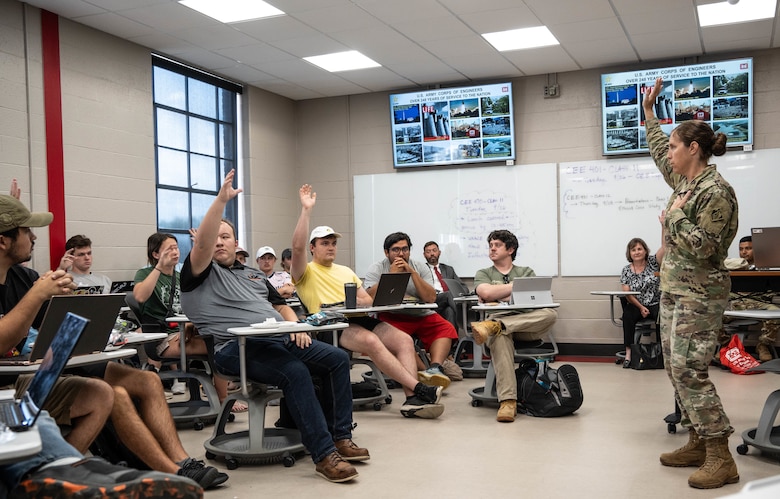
x=547, y=393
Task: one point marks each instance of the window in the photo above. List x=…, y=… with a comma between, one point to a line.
x=196, y=144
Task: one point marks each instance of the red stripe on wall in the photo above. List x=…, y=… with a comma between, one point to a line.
x=52, y=103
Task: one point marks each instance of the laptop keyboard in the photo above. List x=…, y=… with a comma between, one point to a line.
x=9, y=413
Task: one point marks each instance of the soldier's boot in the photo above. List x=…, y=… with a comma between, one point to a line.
x=719, y=467
x=764, y=353
x=692, y=453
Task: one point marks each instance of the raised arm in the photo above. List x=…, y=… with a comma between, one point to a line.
x=659, y=255
x=206, y=234
x=300, y=242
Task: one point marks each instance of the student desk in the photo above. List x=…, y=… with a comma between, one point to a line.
x=612, y=295
x=258, y=443
x=79, y=360
x=17, y=445
x=487, y=393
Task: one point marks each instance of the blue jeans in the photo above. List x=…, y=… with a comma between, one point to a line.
x=54, y=447
x=278, y=361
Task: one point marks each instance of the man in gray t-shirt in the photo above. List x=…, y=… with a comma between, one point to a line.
x=219, y=293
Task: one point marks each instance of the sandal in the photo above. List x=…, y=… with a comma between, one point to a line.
x=239, y=406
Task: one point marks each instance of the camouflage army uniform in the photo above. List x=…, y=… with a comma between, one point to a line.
x=761, y=301
x=695, y=286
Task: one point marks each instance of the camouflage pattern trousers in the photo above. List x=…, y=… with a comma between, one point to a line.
x=762, y=302
x=689, y=336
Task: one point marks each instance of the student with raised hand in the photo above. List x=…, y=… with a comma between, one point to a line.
x=322, y=281
x=219, y=293
x=699, y=226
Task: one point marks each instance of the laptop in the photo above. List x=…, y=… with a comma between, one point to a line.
x=101, y=310
x=532, y=291
x=88, y=290
x=20, y=414
x=391, y=289
x=122, y=286
x=766, y=248
x=456, y=287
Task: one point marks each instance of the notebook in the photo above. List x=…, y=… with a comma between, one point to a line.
x=457, y=288
x=20, y=414
x=391, y=289
x=533, y=291
x=766, y=247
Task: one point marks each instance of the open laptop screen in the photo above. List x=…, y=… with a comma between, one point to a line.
x=766, y=247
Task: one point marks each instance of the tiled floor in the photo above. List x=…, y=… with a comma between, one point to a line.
x=609, y=448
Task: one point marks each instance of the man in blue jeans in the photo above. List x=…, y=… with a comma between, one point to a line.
x=218, y=293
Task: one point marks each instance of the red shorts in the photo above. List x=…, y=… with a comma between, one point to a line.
x=427, y=328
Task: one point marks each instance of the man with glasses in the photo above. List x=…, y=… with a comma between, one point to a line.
x=494, y=284
x=433, y=330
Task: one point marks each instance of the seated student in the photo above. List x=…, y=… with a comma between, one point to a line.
x=640, y=275
x=85, y=403
x=59, y=469
x=220, y=293
x=756, y=301
x=501, y=329
x=322, y=281
x=286, y=261
x=266, y=259
x=433, y=330
x=77, y=260
x=157, y=291
x=439, y=272
x=242, y=255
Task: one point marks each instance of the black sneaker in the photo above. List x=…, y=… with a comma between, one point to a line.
x=415, y=407
x=207, y=476
x=428, y=394
x=94, y=477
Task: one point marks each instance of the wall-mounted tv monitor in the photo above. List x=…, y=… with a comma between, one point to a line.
x=448, y=126
x=720, y=93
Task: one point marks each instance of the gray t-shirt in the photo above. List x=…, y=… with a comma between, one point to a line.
x=383, y=267
x=221, y=298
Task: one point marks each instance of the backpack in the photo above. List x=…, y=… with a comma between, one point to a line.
x=547, y=393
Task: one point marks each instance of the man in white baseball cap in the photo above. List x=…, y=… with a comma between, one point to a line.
x=266, y=259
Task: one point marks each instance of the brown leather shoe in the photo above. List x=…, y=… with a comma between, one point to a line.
x=334, y=469
x=483, y=330
x=350, y=451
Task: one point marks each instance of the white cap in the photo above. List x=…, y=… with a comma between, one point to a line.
x=264, y=251
x=322, y=231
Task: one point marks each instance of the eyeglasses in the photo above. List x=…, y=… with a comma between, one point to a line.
x=506, y=279
x=396, y=250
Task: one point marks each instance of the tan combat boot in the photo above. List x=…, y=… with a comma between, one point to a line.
x=764, y=354
x=690, y=454
x=507, y=411
x=484, y=330
x=719, y=467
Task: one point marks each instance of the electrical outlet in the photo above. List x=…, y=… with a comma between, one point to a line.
x=551, y=91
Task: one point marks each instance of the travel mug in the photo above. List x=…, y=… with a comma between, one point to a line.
x=350, y=295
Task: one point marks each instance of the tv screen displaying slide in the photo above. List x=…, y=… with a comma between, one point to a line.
x=720, y=93
x=448, y=126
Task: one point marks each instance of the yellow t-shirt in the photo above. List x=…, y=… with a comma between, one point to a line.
x=320, y=284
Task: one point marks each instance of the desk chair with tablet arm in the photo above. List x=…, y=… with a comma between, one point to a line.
x=194, y=410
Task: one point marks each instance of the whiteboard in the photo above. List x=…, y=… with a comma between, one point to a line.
x=458, y=208
x=605, y=203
